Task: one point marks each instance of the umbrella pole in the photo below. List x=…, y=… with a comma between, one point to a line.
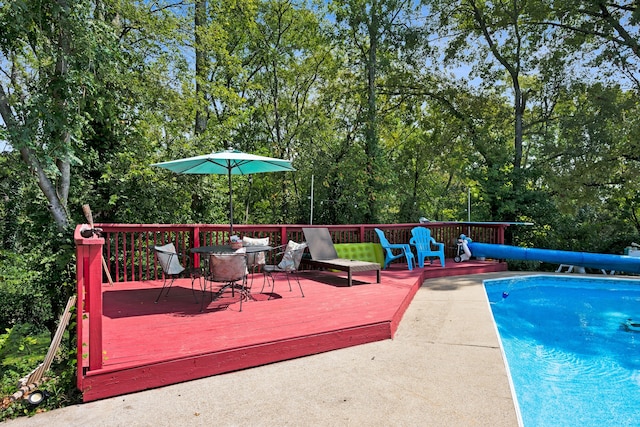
x=230, y=205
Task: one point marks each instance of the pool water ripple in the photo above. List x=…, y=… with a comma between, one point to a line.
x=571, y=360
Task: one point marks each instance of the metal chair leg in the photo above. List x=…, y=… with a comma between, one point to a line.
x=244, y=293
x=265, y=280
x=271, y=275
x=299, y=285
x=295, y=273
x=193, y=279
x=164, y=286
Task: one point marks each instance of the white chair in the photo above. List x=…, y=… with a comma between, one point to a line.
x=169, y=260
x=570, y=269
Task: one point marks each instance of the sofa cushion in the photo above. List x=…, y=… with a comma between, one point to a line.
x=371, y=252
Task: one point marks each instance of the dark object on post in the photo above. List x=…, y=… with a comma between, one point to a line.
x=89, y=232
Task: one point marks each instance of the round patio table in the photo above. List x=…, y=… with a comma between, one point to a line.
x=227, y=249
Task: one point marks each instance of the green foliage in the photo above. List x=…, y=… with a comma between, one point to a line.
x=23, y=345
x=520, y=265
x=359, y=95
x=22, y=348
x=23, y=294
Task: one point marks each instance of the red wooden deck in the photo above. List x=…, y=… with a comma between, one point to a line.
x=147, y=345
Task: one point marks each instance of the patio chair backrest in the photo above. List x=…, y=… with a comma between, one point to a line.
x=292, y=256
x=255, y=259
x=383, y=239
x=168, y=258
x=320, y=243
x=228, y=267
x=421, y=238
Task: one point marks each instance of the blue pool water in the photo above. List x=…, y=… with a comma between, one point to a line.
x=572, y=346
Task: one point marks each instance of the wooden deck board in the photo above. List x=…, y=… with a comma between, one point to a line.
x=149, y=345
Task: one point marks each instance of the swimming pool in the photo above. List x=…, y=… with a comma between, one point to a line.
x=572, y=348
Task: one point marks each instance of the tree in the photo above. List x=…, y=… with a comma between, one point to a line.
x=201, y=64
x=293, y=54
x=41, y=90
x=376, y=32
x=527, y=57
x=606, y=32
x=62, y=81
x=593, y=160
x=224, y=69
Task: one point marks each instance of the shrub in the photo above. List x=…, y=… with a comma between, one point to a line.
x=23, y=295
x=22, y=349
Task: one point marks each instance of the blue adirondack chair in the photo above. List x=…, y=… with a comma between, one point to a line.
x=405, y=251
x=424, y=243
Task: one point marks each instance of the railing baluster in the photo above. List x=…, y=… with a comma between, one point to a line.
x=122, y=253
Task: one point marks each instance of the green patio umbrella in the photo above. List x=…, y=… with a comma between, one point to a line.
x=227, y=162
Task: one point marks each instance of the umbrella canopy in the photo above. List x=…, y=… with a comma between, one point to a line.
x=227, y=162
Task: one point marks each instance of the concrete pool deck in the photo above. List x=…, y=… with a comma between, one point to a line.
x=444, y=367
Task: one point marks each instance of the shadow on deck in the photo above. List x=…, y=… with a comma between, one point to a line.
x=148, y=345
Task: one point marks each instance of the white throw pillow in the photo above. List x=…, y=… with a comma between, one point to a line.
x=259, y=258
x=292, y=256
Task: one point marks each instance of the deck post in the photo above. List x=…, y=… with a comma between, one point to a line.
x=195, y=239
x=501, y=230
x=283, y=235
x=89, y=275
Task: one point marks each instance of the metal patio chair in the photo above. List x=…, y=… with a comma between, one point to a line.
x=169, y=260
x=230, y=269
x=288, y=259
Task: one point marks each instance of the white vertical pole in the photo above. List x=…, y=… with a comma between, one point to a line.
x=469, y=210
x=311, y=217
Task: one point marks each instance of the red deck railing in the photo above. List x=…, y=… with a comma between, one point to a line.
x=127, y=253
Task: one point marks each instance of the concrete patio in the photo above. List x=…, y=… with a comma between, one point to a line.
x=443, y=368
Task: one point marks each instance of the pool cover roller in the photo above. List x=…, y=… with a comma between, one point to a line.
x=623, y=263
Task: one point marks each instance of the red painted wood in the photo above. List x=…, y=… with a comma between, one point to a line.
x=125, y=242
x=132, y=335
x=94, y=283
x=80, y=255
x=159, y=374
x=149, y=345
x=90, y=297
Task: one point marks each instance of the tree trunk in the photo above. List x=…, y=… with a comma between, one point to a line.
x=371, y=134
x=519, y=108
x=201, y=67
x=56, y=194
